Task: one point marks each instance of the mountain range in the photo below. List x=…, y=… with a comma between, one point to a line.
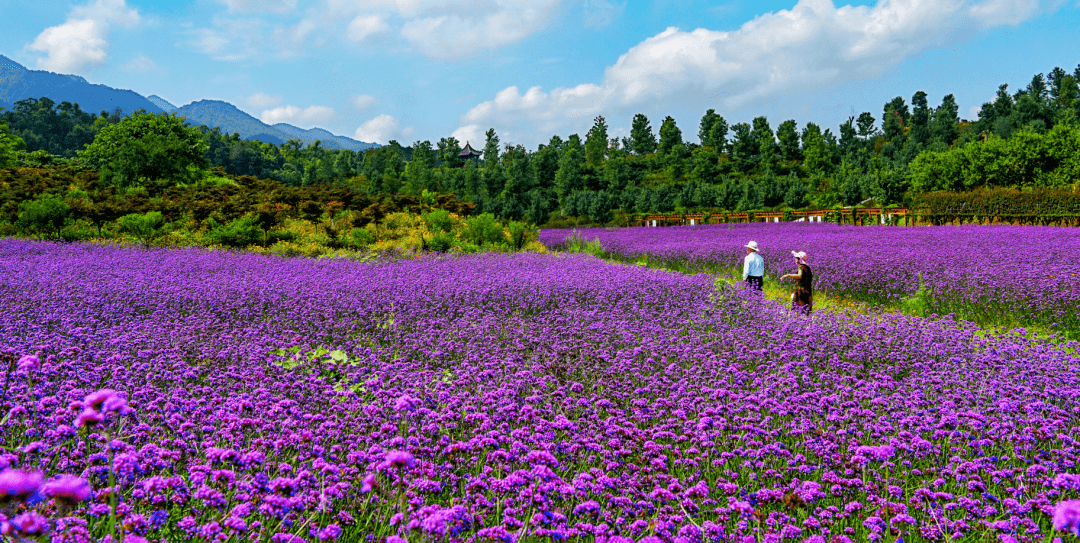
x=19, y=83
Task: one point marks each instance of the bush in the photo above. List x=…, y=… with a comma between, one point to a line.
x=399, y=220
x=145, y=227
x=275, y=236
x=484, y=229
x=439, y=220
x=77, y=232
x=48, y=214
x=441, y=242
x=520, y=234
x=359, y=237
x=238, y=233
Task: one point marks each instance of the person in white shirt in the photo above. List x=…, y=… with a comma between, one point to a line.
x=753, y=267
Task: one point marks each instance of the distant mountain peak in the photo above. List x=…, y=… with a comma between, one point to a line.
x=161, y=103
x=10, y=64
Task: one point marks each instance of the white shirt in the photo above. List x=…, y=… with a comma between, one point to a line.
x=753, y=266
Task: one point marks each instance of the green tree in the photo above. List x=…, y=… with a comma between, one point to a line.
x=718, y=134
x=705, y=128
x=546, y=162
x=419, y=176
x=569, y=177
x=449, y=149
x=743, y=147
x=670, y=135
x=920, y=118
x=9, y=145
x=144, y=226
x=895, y=118
x=642, y=139
x=491, y=147
x=943, y=124
x=147, y=146
x=865, y=123
x=47, y=214
x=797, y=194
x=788, y=135
x=765, y=140
x=596, y=142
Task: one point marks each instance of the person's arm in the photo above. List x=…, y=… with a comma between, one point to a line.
x=793, y=275
x=745, y=267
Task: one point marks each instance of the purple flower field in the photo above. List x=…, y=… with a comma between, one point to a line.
x=192, y=395
x=1014, y=275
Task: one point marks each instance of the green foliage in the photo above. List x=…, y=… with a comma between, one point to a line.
x=441, y=242
x=1025, y=159
x=642, y=139
x=144, y=226
x=596, y=141
x=9, y=144
x=988, y=203
x=147, y=146
x=576, y=243
x=520, y=234
x=917, y=304
x=238, y=233
x=670, y=136
x=439, y=220
x=45, y=215
x=484, y=229
x=359, y=238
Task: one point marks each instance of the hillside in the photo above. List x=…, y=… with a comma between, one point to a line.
x=232, y=119
x=19, y=83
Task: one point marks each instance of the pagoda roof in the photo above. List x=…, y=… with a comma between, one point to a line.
x=469, y=152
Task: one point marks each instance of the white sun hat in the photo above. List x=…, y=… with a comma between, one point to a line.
x=752, y=245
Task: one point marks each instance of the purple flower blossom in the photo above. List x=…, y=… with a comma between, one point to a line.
x=67, y=489
x=1067, y=517
x=16, y=484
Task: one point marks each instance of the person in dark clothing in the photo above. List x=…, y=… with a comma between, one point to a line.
x=802, y=300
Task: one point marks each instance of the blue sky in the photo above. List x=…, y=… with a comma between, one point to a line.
x=415, y=70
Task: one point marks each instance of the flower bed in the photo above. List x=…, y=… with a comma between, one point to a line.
x=502, y=398
x=1013, y=275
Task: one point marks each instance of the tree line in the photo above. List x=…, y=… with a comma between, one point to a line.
x=1024, y=138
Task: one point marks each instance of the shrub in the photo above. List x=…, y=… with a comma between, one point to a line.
x=45, y=215
x=439, y=220
x=275, y=236
x=441, y=242
x=484, y=229
x=520, y=234
x=397, y=221
x=144, y=227
x=238, y=233
x=359, y=237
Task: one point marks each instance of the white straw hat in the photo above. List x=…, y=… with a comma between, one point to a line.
x=752, y=245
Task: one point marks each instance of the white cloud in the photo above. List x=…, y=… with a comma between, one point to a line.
x=238, y=39
x=973, y=113
x=381, y=130
x=260, y=6
x=601, y=13
x=811, y=46
x=364, y=101
x=472, y=134
x=437, y=28
x=263, y=101
x=304, y=118
x=141, y=63
x=453, y=35
x=81, y=43
x=364, y=26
